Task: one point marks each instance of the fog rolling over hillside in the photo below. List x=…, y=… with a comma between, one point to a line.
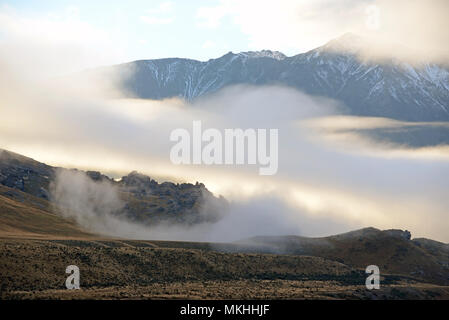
x=341, y=69
x=326, y=183
x=136, y=206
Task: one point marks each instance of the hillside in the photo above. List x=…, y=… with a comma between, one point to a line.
x=25, y=216
x=129, y=269
x=37, y=242
x=139, y=198
x=392, y=250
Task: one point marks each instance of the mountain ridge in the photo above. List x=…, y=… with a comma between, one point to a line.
x=393, y=89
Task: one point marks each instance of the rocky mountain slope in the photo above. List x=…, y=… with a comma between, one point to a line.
x=30, y=183
x=393, y=89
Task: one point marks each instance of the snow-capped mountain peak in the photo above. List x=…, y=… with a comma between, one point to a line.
x=347, y=43
x=393, y=89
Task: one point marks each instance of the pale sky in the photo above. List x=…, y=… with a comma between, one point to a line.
x=68, y=35
x=139, y=29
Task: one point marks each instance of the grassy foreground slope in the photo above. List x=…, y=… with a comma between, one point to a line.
x=123, y=269
x=25, y=216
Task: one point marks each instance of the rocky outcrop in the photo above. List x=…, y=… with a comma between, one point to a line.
x=399, y=233
x=149, y=201
x=145, y=200
x=25, y=174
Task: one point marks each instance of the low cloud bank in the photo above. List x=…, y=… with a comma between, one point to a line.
x=323, y=186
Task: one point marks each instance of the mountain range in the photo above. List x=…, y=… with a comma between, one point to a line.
x=391, y=88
